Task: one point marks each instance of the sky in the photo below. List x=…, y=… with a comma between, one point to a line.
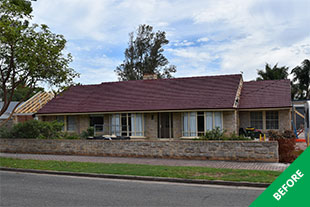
x=207, y=37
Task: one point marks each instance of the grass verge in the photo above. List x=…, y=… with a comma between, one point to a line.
x=258, y=176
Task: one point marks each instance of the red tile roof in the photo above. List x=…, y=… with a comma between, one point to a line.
x=207, y=92
x=265, y=94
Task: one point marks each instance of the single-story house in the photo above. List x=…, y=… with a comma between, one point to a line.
x=173, y=108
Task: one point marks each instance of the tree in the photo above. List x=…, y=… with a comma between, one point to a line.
x=22, y=91
x=274, y=73
x=30, y=54
x=144, y=55
x=301, y=81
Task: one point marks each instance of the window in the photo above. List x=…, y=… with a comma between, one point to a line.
x=136, y=125
x=201, y=123
x=256, y=118
x=272, y=120
x=97, y=122
x=127, y=124
x=197, y=123
x=61, y=119
x=189, y=124
x=115, y=125
x=209, y=120
x=218, y=120
x=71, y=123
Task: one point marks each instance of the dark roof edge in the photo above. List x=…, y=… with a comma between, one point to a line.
x=267, y=80
x=146, y=111
x=279, y=107
x=164, y=79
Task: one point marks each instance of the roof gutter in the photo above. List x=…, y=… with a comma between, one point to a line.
x=117, y=112
x=265, y=109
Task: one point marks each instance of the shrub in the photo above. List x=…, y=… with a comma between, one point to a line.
x=289, y=134
x=35, y=129
x=218, y=134
x=5, y=132
x=286, y=142
x=213, y=134
x=234, y=136
x=273, y=135
x=88, y=133
x=69, y=135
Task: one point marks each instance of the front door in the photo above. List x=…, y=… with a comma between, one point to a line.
x=165, y=125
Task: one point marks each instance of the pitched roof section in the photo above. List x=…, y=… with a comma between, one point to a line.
x=207, y=92
x=265, y=94
x=9, y=110
x=35, y=103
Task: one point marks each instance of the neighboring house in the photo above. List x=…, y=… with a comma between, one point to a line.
x=173, y=108
x=27, y=109
x=7, y=113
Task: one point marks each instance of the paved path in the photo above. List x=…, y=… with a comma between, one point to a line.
x=149, y=161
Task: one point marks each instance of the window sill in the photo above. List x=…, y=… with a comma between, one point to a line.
x=137, y=137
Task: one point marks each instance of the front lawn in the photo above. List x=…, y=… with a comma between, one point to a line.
x=206, y=173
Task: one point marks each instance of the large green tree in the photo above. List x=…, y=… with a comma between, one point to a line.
x=30, y=54
x=144, y=55
x=301, y=81
x=275, y=73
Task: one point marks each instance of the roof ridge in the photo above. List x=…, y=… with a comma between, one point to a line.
x=266, y=80
x=164, y=79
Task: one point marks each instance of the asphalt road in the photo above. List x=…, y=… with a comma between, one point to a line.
x=23, y=189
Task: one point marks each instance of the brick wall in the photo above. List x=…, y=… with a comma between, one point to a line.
x=229, y=121
x=285, y=119
x=211, y=150
x=177, y=125
x=151, y=125
x=83, y=123
x=23, y=118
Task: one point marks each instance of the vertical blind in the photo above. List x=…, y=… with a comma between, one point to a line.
x=136, y=125
x=211, y=121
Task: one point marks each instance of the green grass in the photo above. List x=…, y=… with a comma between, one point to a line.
x=206, y=173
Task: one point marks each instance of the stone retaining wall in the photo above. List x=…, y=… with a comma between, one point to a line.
x=210, y=150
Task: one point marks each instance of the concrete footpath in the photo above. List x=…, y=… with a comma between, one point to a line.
x=150, y=161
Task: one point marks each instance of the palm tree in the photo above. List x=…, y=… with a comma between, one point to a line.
x=274, y=73
x=301, y=81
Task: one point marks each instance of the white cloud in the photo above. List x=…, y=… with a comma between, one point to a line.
x=245, y=34
x=191, y=54
x=96, y=69
x=203, y=39
x=183, y=43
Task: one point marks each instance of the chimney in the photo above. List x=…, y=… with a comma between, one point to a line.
x=150, y=77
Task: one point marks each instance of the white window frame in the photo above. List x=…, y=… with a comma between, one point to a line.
x=188, y=133
x=75, y=123
x=133, y=132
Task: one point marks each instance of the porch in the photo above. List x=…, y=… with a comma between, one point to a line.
x=152, y=125
x=174, y=124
